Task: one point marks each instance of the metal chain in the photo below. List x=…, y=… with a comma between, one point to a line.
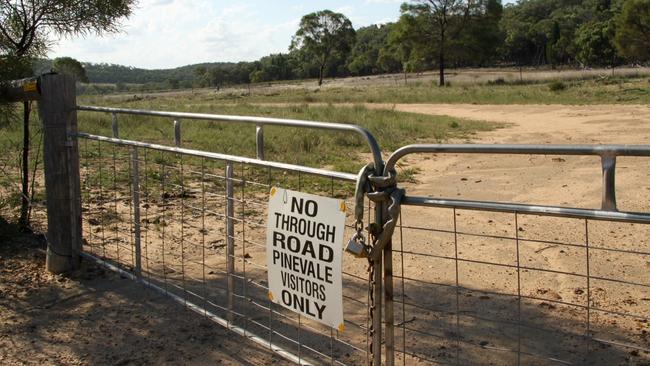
x=357, y=245
x=378, y=189
x=382, y=235
x=371, y=308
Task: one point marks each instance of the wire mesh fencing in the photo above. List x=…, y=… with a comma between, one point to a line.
x=506, y=288
x=194, y=227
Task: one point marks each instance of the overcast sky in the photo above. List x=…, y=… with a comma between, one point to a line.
x=171, y=33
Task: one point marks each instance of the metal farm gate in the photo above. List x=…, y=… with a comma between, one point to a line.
x=516, y=284
x=446, y=281
x=191, y=224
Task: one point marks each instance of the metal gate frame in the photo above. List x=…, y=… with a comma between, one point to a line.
x=259, y=122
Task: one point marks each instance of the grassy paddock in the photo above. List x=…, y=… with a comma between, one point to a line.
x=341, y=151
x=630, y=88
x=345, y=152
x=316, y=148
x=606, y=90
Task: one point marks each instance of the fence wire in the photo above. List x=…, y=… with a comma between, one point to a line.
x=197, y=230
x=474, y=287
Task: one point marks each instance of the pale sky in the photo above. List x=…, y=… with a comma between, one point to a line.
x=171, y=33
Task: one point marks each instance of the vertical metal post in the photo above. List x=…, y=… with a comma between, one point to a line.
x=376, y=310
x=230, y=238
x=135, y=182
x=177, y=133
x=609, y=182
x=259, y=141
x=376, y=314
x=389, y=335
x=57, y=111
x=114, y=127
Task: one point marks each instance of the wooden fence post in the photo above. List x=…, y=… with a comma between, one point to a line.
x=57, y=111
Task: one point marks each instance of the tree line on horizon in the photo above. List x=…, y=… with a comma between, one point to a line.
x=432, y=34
x=429, y=34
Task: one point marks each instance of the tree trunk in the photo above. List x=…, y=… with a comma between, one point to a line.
x=320, y=74
x=24, y=207
x=441, y=59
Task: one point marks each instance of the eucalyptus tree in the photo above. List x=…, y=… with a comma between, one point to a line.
x=323, y=36
x=633, y=30
x=27, y=28
x=445, y=19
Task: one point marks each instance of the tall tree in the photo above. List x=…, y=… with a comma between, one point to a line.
x=481, y=38
x=447, y=19
x=324, y=35
x=633, y=30
x=25, y=31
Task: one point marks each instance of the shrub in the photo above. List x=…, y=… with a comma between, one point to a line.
x=557, y=86
x=498, y=81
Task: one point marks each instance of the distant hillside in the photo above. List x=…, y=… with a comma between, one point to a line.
x=110, y=73
x=113, y=74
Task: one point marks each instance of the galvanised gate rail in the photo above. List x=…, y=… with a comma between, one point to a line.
x=447, y=288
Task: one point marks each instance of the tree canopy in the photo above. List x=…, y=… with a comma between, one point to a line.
x=25, y=26
x=323, y=36
x=478, y=33
x=633, y=36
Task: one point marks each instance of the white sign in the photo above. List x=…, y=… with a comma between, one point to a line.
x=304, y=244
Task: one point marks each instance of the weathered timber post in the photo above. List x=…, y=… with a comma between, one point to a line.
x=58, y=113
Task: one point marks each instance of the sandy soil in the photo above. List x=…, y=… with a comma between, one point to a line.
x=543, y=124
x=547, y=180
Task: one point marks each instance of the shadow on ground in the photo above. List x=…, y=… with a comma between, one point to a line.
x=96, y=317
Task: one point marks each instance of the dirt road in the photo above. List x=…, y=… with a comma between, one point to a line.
x=541, y=124
x=539, y=179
